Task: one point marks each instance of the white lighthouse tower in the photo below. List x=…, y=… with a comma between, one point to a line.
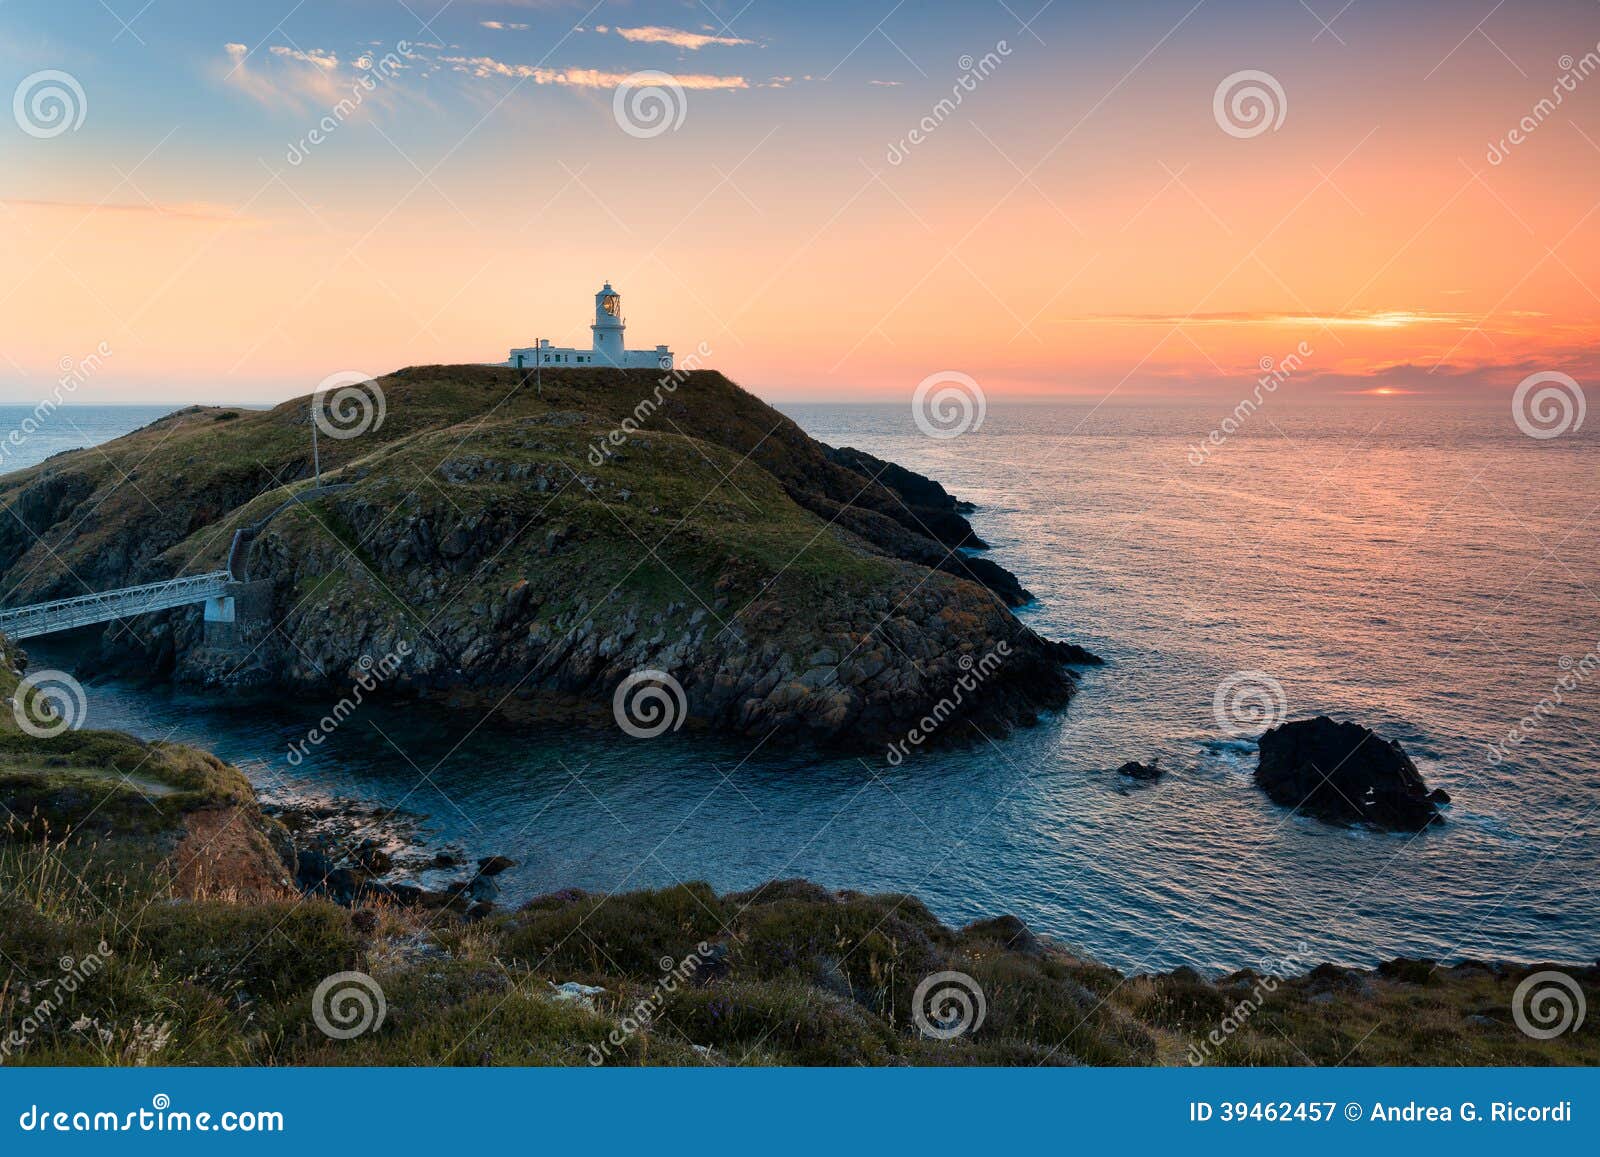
x=608, y=326
x=608, y=348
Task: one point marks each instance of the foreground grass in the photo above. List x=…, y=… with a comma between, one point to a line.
x=788, y=974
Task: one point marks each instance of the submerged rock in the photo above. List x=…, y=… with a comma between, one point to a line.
x=494, y=865
x=1133, y=769
x=1345, y=773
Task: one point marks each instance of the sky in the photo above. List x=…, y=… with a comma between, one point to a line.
x=228, y=202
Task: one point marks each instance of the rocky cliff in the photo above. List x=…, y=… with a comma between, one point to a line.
x=537, y=548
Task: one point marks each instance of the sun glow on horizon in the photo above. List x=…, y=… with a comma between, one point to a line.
x=195, y=224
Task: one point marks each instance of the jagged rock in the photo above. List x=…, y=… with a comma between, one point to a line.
x=1133, y=769
x=1344, y=773
x=371, y=856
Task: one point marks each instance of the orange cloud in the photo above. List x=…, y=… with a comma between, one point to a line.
x=1373, y=319
x=677, y=37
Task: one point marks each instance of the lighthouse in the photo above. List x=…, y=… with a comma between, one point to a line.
x=608, y=348
x=608, y=326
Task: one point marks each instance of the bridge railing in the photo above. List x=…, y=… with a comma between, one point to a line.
x=103, y=607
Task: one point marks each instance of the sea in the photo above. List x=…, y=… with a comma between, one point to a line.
x=1429, y=570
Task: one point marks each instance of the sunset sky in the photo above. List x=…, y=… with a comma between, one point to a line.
x=1081, y=223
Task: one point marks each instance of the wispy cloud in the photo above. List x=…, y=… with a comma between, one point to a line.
x=301, y=80
x=1361, y=319
x=323, y=60
x=487, y=66
x=501, y=26
x=296, y=80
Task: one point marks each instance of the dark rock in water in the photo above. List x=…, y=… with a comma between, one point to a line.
x=1136, y=770
x=1344, y=773
x=483, y=888
x=371, y=856
x=494, y=865
x=930, y=508
x=990, y=574
x=445, y=860
x=1073, y=655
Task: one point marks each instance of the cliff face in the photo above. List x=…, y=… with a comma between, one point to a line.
x=499, y=543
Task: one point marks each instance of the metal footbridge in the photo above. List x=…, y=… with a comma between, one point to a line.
x=215, y=588
x=86, y=610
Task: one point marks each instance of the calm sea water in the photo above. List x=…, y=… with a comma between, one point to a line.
x=27, y=437
x=1426, y=570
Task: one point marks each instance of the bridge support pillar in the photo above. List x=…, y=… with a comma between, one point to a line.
x=237, y=618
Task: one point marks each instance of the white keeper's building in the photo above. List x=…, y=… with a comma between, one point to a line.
x=608, y=349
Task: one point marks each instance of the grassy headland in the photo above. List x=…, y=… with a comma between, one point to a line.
x=518, y=542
